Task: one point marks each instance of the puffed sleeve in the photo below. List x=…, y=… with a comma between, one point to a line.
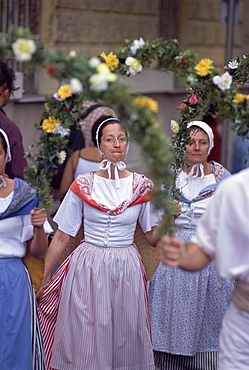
x=70, y=213
x=149, y=217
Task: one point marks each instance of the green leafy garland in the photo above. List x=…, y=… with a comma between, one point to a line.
x=99, y=78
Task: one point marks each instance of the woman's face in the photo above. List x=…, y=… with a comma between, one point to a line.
x=2, y=158
x=114, y=142
x=198, y=151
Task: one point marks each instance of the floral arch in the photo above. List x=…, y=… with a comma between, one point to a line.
x=98, y=78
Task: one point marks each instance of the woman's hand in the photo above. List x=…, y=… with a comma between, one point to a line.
x=170, y=250
x=176, y=209
x=38, y=217
x=39, y=243
x=173, y=252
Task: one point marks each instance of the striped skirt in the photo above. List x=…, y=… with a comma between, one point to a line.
x=21, y=344
x=201, y=361
x=100, y=313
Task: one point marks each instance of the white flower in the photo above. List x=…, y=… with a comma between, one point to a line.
x=72, y=54
x=23, y=49
x=99, y=81
x=134, y=65
x=59, y=130
x=223, y=82
x=174, y=126
x=233, y=64
x=61, y=156
x=76, y=86
x=136, y=45
x=191, y=79
x=94, y=62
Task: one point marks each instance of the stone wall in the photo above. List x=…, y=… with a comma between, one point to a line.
x=90, y=27
x=200, y=28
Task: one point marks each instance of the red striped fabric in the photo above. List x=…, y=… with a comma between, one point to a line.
x=48, y=308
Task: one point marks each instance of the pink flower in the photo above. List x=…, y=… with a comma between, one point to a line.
x=183, y=105
x=58, y=97
x=193, y=99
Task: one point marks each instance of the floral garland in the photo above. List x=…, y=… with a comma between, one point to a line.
x=98, y=78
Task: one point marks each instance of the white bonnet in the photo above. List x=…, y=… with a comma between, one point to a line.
x=204, y=126
x=8, y=154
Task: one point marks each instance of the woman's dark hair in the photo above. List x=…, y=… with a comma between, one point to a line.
x=96, y=125
x=3, y=142
x=196, y=128
x=7, y=75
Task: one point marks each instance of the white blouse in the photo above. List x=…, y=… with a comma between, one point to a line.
x=84, y=166
x=104, y=228
x=15, y=232
x=190, y=188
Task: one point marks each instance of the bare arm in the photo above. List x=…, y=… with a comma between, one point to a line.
x=56, y=247
x=151, y=237
x=173, y=252
x=155, y=234
x=39, y=243
x=68, y=173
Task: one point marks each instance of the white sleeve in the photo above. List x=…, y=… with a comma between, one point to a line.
x=70, y=213
x=149, y=217
x=28, y=228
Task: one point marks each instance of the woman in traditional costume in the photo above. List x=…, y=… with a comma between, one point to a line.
x=100, y=289
x=187, y=308
x=21, y=345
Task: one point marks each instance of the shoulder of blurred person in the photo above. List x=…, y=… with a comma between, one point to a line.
x=16, y=167
x=240, y=155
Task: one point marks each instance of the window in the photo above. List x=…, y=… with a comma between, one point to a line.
x=25, y=13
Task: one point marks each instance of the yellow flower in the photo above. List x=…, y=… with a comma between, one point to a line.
x=174, y=126
x=65, y=91
x=23, y=49
x=240, y=98
x=111, y=60
x=49, y=124
x=144, y=101
x=204, y=67
x=155, y=125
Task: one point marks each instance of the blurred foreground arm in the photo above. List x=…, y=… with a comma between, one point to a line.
x=174, y=253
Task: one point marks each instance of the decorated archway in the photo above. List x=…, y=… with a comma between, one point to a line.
x=98, y=78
